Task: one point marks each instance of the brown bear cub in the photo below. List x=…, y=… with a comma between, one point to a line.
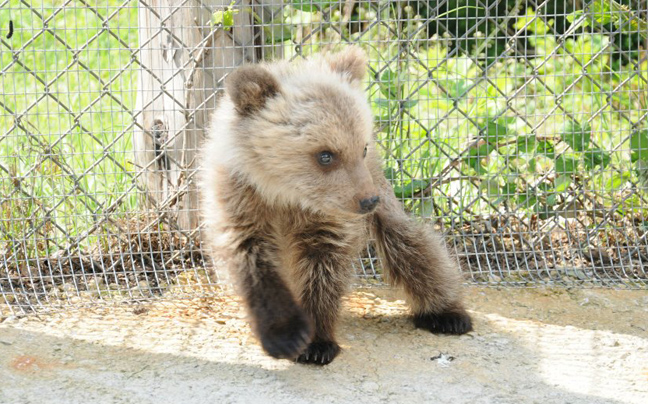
x=293, y=188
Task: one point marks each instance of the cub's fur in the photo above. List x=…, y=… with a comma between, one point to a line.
x=292, y=188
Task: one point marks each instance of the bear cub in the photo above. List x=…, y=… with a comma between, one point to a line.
x=292, y=188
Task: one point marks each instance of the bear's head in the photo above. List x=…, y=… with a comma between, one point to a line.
x=302, y=132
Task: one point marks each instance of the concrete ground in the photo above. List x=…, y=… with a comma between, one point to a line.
x=529, y=346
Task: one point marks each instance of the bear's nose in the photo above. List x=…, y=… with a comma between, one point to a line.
x=369, y=204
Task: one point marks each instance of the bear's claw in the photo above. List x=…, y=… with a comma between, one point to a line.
x=319, y=353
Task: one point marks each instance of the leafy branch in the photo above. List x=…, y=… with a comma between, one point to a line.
x=603, y=12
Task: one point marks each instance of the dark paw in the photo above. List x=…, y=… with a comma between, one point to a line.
x=452, y=322
x=319, y=353
x=285, y=338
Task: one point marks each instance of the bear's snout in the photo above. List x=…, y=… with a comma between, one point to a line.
x=367, y=205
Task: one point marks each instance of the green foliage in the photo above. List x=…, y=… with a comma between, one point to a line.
x=225, y=17
x=525, y=143
x=311, y=5
x=639, y=146
x=533, y=23
x=476, y=154
x=562, y=183
x=566, y=164
x=507, y=158
x=596, y=157
x=545, y=148
x=603, y=12
x=576, y=136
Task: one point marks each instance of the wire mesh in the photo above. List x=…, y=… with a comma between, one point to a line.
x=516, y=127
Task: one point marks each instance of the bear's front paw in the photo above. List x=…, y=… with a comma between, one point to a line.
x=286, y=337
x=319, y=353
x=450, y=322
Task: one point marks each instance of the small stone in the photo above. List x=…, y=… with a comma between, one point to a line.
x=443, y=359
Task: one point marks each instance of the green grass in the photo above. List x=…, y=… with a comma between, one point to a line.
x=81, y=127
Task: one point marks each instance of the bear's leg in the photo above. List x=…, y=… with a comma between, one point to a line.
x=322, y=272
x=282, y=326
x=417, y=259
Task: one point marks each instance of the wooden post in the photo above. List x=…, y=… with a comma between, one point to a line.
x=183, y=59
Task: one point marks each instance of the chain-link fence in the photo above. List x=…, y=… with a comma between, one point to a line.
x=518, y=127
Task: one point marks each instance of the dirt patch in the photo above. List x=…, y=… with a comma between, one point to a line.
x=530, y=345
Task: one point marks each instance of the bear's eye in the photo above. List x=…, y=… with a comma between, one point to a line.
x=325, y=158
x=364, y=154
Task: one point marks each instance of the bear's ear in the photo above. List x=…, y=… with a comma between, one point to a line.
x=249, y=87
x=351, y=62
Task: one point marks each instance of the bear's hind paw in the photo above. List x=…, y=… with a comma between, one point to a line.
x=450, y=322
